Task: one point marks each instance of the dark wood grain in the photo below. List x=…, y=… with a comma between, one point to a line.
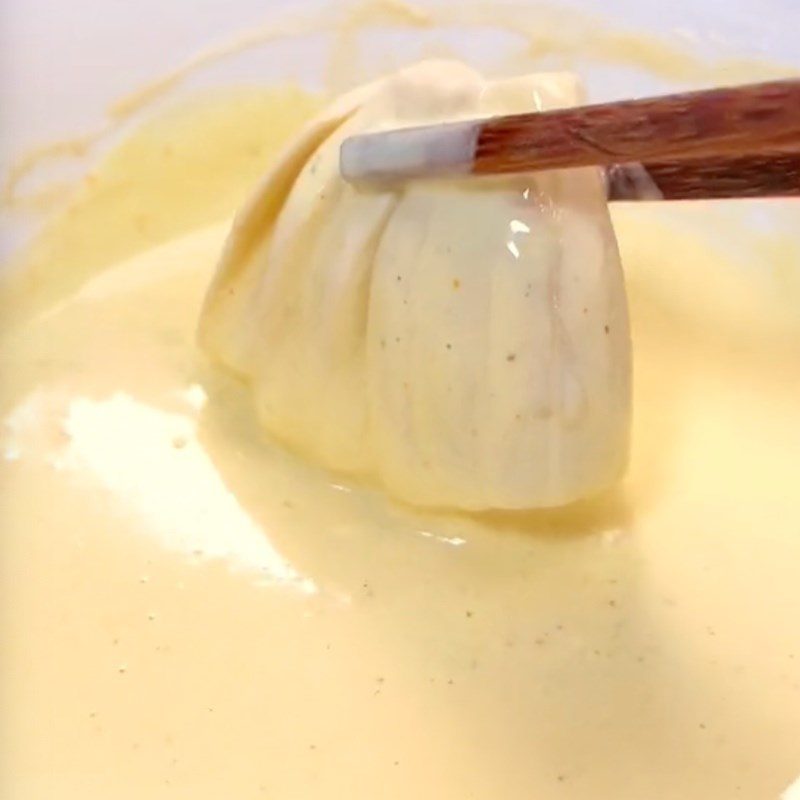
x=760, y=175
x=708, y=124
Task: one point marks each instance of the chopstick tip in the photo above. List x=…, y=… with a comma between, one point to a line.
x=409, y=152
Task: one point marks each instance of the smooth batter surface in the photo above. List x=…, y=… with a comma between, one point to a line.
x=190, y=611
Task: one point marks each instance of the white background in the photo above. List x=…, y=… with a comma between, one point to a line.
x=63, y=61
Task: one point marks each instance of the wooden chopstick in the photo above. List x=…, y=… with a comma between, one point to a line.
x=737, y=141
x=717, y=122
x=759, y=175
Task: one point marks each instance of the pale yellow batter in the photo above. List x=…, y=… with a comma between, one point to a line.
x=191, y=612
x=465, y=342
